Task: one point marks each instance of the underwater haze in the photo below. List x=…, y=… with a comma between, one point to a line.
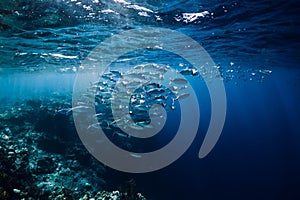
x=45, y=46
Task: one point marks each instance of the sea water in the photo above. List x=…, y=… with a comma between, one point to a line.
x=254, y=45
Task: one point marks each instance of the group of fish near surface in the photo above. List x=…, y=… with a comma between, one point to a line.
x=135, y=91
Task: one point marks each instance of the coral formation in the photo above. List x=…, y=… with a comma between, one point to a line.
x=42, y=158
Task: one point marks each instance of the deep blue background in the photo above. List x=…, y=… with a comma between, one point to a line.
x=257, y=156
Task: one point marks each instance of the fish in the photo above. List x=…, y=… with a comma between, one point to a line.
x=95, y=125
x=141, y=108
x=99, y=125
x=98, y=115
x=116, y=121
x=68, y=111
x=265, y=71
x=136, y=127
x=179, y=81
x=120, y=134
x=173, y=88
x=64, y=111
x=142, y=123
x=155, y=91
x=120, y=123
x=135, y=155
x=176, y=88
x=189, y=71
x=164, y=97
x=152, y=67
x=182, y=96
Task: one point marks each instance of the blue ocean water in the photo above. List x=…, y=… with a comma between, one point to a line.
x=255, y=46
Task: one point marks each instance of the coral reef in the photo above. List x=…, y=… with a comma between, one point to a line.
x=114, y=195
x=42, y=158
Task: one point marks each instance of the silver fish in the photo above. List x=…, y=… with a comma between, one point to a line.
x=155, y=91
x=189, y=71
x=98, y=115
x=182, y=96
x=120, y=134
x=104, y=124
x=265, y=71
x=135, y=155
x=179, y=81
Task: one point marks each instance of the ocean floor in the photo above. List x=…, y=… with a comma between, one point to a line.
x=41, y=156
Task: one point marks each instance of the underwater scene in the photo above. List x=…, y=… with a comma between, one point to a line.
x=149, y=99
